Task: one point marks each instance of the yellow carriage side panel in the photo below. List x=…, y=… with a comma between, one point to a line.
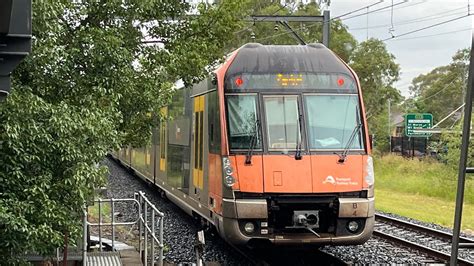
x=198, y=136
x=164, y=113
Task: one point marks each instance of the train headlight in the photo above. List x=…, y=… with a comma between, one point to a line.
x=229, y=180
x=228, y=170
x=370, y=177
x=353, y=226
x=249, y=227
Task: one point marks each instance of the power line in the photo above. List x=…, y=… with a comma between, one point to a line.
x=357, y=10
x=284, y=33
x=433, y=35
x=438, y=92
x=379, y=9
x=425, y=28
x=247, y=28
x=410, y=21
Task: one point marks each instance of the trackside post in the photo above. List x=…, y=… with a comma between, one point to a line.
x=466, y=132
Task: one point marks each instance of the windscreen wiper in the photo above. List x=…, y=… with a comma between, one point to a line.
x=343, y=155
x=299, y=136
x=253, y=141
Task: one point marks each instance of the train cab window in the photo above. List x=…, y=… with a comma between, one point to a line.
x=242, y=117
x=331, y=120
x=282, y=121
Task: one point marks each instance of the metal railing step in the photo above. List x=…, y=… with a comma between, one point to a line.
x=103, y=259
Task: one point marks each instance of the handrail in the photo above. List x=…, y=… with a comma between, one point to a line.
x=144, y=206
x=145, y=229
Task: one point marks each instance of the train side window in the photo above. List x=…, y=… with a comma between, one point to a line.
x=196, y=143
x=214, y=123
x=201, y=137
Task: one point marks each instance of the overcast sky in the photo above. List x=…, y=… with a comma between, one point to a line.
x=418, y=52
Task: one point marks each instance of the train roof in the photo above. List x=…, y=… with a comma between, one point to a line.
x=258, y=58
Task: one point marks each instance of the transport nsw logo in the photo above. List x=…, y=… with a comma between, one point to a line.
x=344, y=181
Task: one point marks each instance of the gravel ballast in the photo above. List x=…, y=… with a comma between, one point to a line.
x=180, y=231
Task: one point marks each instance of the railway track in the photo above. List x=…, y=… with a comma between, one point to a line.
x=433, y=242
x=285, y=256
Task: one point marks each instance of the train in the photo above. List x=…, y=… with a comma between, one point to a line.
x=271, y=148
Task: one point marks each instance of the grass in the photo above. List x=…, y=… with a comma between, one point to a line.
x=105, y=209
x=428, y=209
x=421, y=189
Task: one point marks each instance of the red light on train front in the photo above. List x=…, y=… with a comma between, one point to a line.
x=340, y=82
x=239, y=81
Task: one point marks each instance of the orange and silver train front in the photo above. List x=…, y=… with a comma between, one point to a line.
x=296, y=155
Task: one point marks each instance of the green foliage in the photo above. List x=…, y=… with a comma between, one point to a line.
x=451, y=141
x=88, y=87
x=377, y=71
x=47, y=170
x=440, y=91
x=380, y=131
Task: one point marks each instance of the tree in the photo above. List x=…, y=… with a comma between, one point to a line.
x=451, y=147
x=440, y=91
x=377, y=71
x=87, y=88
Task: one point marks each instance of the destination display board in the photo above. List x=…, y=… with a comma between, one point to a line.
x=415, y=122
x=321, y=81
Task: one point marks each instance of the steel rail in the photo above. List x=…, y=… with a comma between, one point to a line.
x=445, y=257
x=420, y=228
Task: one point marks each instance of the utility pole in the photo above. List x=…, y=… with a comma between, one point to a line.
x=463, y=169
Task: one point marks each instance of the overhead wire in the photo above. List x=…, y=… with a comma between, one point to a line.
x=411, y=21
x=357, y=10
x=378, y=9
x=433, y=35
x=395, y=36
x=441, y=90
x=263, y=19
x=351, y=12
x=427, y=27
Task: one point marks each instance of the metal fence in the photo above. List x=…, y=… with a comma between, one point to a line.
x=148, y=219
x=410, y=147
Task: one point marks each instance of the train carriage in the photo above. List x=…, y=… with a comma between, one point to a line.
x=272, y=148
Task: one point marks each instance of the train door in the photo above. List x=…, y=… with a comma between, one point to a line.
x=198, y=146
x=285, y=135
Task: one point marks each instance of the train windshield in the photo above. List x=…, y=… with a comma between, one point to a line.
x=282, y=122
x=243, y=126
x=331, y=120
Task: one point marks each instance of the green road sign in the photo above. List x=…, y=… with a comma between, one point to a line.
x=414, y=122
